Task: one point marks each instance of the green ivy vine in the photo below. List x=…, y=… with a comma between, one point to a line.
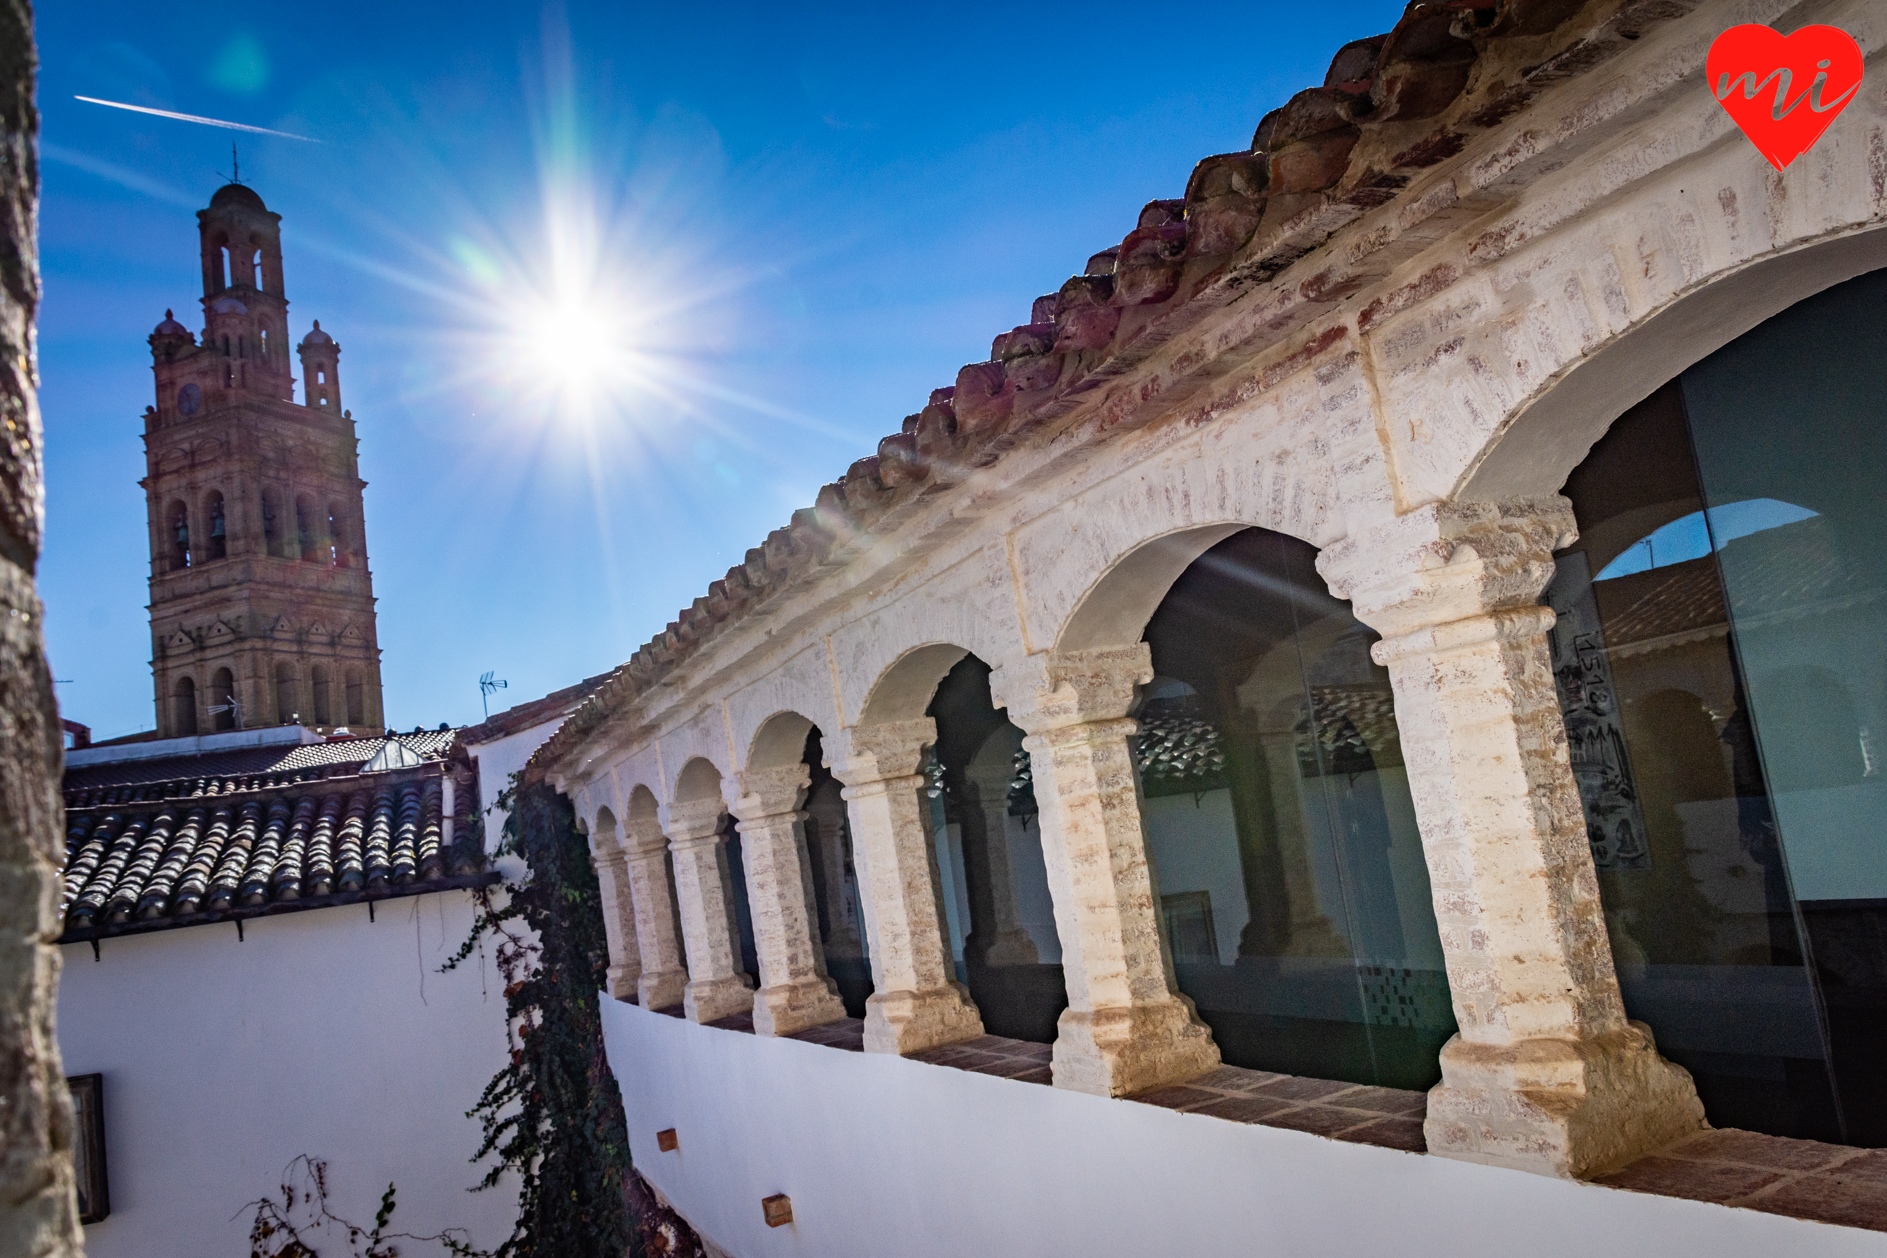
x=553, y=1115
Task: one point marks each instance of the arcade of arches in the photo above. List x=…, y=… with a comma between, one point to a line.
x=1231, y=840
x=1457, y=671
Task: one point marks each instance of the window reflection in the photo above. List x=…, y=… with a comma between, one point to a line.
x=1723, y=684
x=1293, y=890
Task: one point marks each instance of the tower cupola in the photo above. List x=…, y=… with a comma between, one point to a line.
x=320, y=366
x=244, y=306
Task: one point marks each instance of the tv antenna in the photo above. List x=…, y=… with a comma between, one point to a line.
x=486, y=686
x=233, y=707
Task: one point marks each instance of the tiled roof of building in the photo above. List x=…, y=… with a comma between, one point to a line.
x=1390, y=107
x=1683, y=598
x=1780, y=573
x=187, y=840
x=239, y=769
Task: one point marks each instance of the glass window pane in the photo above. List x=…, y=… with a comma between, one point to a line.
x=1791, y=433
x=1293, y=889
x=1660, y=736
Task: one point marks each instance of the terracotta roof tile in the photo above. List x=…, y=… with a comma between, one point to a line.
x=281, y=829
x=243, y=769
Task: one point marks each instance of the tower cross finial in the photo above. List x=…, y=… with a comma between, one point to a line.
x=235, y=165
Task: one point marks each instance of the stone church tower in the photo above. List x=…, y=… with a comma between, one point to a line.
x=262, y=607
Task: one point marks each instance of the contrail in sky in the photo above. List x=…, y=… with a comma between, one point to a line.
x=208, y=122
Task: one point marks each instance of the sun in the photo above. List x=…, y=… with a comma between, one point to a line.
x=577, y=346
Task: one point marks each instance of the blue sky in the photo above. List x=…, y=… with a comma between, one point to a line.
x=796, y=225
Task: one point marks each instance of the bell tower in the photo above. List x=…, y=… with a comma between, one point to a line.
x=262, y=606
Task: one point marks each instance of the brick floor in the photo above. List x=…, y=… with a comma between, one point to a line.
x=1389, y=1117
x=1805, y=1179
x=1800, y=1178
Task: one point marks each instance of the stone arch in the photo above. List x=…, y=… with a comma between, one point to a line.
x=1115, y=609
x=1534, y=450
x=307, y=542
x=215, y=511
x=184, y=707
x=604, y=839
x=903, y=691
x=780, y=741
x=699, y=779
x=223, y=695
x=287, y=692
x=642, y=806
x=177, y=536
x=1094, y=568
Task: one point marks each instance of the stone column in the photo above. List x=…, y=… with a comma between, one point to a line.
x=916, y=1002
x=619, y=918
x=988, y=784
x=717, y=986
x=38, y=1212
x=794, y=990
x=1545, y=1073
x=664, y=977
x=826, y=810
x=1126, y=1028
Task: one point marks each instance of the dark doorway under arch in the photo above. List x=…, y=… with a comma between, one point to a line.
x=840, y=915
x=987, y=840
x=1294, y=892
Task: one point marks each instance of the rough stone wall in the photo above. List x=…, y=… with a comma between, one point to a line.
x=38, y=1212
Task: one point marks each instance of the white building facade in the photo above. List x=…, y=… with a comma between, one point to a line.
x=255, y=925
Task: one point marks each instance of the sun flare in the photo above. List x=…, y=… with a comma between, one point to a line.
x=577, y=346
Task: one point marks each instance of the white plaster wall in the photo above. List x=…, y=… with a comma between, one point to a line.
x=883, y=1156
x=321, y=1033
x=1193, y=843
x=497, y=761
x=1035, y=909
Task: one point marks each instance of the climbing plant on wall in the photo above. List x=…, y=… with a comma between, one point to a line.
x=553, y=1115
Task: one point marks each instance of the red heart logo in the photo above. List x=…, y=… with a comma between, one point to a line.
x=1784, y=90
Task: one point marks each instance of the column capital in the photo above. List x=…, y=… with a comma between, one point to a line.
x=880, y=752
x=1449, y=562
x=695, y=822
x=1053, y=690
x=775, y=792
x=642, y=836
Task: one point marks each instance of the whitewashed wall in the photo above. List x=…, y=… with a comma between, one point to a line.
x=322, y=1033
x=497, y=761
x=883, y=1156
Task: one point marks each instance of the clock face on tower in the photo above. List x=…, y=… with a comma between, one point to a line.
x=189, y=399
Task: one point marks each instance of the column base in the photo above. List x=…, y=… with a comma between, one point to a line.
x=904, y=1022
x=1012, y=947
x=661, y=989
x=790, y=1007
x=1115, y=1052
x=624, y=984
x=1568, y=1108
x=713, y=999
